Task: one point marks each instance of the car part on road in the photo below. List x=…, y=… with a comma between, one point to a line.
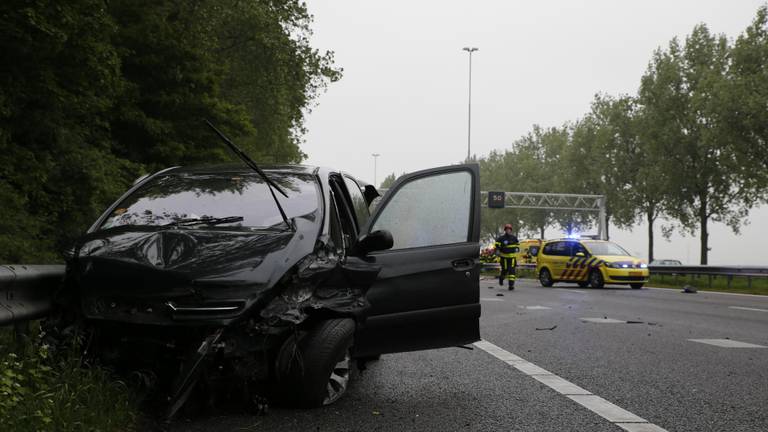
x=689, y=289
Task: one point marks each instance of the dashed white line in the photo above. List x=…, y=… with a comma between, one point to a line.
x=536, y=307
x=748, y=308
x=613, y=413
x=726, y=343
x=576, y=291
x=603, y=320
x=490, y=299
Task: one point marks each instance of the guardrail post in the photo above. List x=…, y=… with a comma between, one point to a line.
x=709, y=281
x=730, y=279
x=749, y=282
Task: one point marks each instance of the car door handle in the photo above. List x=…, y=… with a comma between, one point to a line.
x=463, y=264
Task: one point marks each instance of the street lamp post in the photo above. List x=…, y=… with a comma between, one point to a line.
x=469, y=106
x=375, y=158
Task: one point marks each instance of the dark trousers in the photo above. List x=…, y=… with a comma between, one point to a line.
x=508, y=269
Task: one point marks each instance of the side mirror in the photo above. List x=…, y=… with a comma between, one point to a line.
x=375, y=241
x=580, y=254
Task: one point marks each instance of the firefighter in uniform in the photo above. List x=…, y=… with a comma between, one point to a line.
x=507, y=246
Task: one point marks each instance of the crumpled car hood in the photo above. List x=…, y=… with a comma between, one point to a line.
x=133, y=270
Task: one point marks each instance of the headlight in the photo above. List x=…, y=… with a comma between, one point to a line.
x=614, y=265
x=624, y=265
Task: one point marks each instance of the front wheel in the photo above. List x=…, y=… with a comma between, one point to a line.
x=596, y=279
x=315, y=371
x=545, y=278
x=636, y=285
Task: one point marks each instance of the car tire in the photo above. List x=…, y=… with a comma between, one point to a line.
x=583, y=284
x=315, y=370
x=636, y=285
x=596, y=279
x=545, y=278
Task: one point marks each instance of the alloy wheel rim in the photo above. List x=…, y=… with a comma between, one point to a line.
x=338, y=380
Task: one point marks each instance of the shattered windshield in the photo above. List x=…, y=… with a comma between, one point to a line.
x=226, y=200
x=605, y=248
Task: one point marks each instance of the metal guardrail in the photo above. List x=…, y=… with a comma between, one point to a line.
x=497, y=266
x=26, y=291
x=712, y=272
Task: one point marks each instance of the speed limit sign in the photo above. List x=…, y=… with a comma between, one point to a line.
x=496, y=199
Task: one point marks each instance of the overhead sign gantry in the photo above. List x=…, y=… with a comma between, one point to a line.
x=550, y=201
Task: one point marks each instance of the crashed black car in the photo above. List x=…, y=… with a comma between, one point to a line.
x=195, y=280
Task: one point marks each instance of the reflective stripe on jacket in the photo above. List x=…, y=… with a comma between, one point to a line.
x=507, y=245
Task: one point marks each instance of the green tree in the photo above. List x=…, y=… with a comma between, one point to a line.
x=743, y=106
x=58, y=83
x=94, y=93
x=681, y=94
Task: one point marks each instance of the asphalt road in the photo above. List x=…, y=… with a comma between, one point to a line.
x=545, y=364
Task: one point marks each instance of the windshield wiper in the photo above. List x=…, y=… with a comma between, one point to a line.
x=206, y=220
x=251, y=164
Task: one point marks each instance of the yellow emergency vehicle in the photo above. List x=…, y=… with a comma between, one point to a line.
x=589, y=262
x=529, y=248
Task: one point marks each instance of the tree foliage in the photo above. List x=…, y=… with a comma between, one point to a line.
x=95, y=93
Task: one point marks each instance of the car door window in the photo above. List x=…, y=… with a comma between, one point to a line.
x=358, y=201
x=558, y=249
x=429, y=211
x=578, y=247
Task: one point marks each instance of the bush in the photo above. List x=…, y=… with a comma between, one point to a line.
x=41, y=390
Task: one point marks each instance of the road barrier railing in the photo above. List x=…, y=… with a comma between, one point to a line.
x=26, y=291
x=711, y=272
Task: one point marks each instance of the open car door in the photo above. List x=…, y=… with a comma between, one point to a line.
x=427, y=294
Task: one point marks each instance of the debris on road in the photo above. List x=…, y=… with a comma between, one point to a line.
x=547, y=328
x=635, y=322
x=499, y=295
x=689, y=289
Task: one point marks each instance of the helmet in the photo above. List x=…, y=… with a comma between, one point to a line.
x=507, y=226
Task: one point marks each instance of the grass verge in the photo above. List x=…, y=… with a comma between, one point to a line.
x=41, y=390
x=737, y=284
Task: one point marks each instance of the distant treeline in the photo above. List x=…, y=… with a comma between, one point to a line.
x=691, y=147
x=94, y=93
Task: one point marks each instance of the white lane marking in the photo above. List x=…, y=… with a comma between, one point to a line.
x=535, y=307
x=576, y=291
x=748, y=308
x=490, y=299
x=640, y=427
x=560, y=385
x=727, y=343
x=603, y=320
x=605, y=409
x=613, y=413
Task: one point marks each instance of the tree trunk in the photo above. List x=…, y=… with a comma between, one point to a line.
x=607, y=224
x=704, y=236
x=542, y=228
x=651, y=219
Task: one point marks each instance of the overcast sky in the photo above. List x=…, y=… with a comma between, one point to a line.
x=404, y=90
